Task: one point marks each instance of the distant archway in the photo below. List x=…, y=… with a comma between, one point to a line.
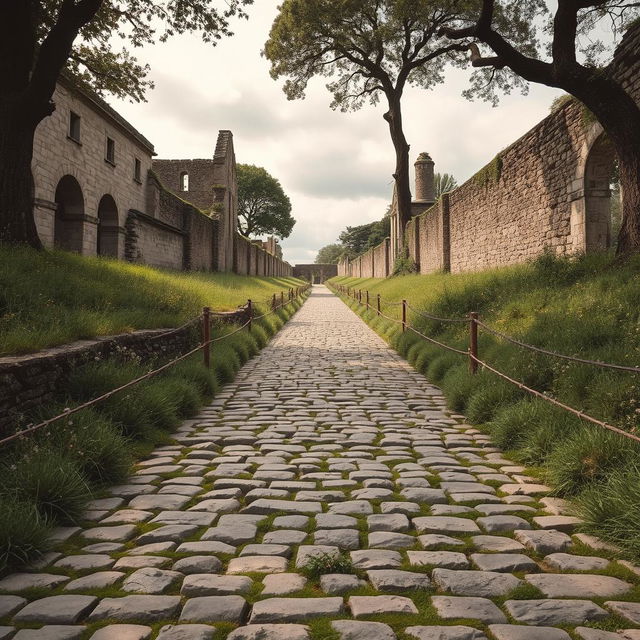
x=67, y=233
x=108, y=230
x=601, y=195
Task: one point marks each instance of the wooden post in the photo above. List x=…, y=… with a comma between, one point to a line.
x=367, y=292
x=379, y=304
x=273, y=302
x=473, y=341
x=206, y=336
x=282, y=298
x=359, y=296
x=250, y=312
x=404, y=315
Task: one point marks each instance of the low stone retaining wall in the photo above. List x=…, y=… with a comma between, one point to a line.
x=29, y=381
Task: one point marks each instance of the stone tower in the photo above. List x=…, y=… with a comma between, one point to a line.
x=425, y=189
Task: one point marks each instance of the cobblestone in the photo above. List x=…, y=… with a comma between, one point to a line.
x=327, y=446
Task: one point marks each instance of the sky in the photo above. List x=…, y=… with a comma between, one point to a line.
x=335, y=167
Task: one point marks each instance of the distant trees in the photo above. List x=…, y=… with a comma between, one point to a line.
x=330, y=254
x=443, y=183
x=263, y=206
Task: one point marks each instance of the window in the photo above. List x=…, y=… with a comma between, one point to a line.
x=74, y=126
x=137, y=171
x=184, y=181
x=111, y=151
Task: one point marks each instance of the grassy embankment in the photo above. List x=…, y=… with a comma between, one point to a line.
x=52, y=298
x=588, y=307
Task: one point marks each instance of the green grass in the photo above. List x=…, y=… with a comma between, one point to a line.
x=589, y=307
x=50, y=475
x=53, y=297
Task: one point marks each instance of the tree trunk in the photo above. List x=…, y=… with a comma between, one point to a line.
x=17, y=223
x=401, y=175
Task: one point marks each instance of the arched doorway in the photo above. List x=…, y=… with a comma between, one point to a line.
x=108, y=230
x=602, y=196
x=68, y=231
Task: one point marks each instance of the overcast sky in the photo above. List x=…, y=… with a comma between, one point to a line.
x=336, y=167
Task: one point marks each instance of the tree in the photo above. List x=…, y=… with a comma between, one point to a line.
x=357, y=240
x=263, y=206
x=39, y=39
x=509, y=50
x=330, y=254
x=443, y=183
x=367, y=48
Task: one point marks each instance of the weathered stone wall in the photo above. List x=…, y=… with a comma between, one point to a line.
x=381, y=258
x=242, y=255
x=317, y=273
x=90, y=176
x=150, y=241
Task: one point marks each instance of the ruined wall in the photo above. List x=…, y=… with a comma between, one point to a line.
x=381, y=259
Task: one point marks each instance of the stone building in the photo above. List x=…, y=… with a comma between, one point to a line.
x=99, y=191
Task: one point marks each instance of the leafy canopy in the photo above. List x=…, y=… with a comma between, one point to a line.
x=443, y=183
x=357, y=240
x=97, y=60
x=330, y=254
x=364, y=46
x=263, y=206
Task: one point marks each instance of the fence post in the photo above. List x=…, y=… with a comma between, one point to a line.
x=367, y=292
x=359, y=296
x=473, y=341
x=378, y=304
x=206, y=336
x=404, y=315
x=282, y=298
x=273, y=302
x=250, y=312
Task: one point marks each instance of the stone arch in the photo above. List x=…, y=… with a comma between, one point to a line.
x=108, y=229
x=598, y=173
x=69, y=217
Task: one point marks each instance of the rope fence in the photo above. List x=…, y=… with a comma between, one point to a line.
x=205, y=347
x=472, y=353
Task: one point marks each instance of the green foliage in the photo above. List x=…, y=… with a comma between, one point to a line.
x=357, y=240
x=263, y=206
x=443, y=183
x=489, y=174
x=404, y=264
x=330, y=254
x=24, y=532
x=325, y=563
x=53, y=297
x=560, y=102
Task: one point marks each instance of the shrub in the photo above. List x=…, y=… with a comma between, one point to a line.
x=194, y=371
x=485, y=402
x=182, y=394
x=458, y=385
x=439, y=365
x=325, y=563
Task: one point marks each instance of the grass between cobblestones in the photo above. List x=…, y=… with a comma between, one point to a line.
x=54, y=297
x=587, y=306
x=50, y=476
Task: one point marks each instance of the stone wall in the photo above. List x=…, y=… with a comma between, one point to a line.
x=315, y=273
x=374, y=263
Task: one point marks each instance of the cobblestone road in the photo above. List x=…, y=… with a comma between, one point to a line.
x=327, y=443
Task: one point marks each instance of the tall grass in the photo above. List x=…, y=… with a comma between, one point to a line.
x=587, y=306
x=49, y=477
x=53, y=297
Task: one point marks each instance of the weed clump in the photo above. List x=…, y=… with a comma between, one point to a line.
x=325, y=563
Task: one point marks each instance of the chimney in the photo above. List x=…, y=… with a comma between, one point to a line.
x=425, y=190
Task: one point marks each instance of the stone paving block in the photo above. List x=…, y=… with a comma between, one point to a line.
x=150, y=580
x=187, y=632
x=432, y=540
x=306, y=552
x=123, y=632
x=520, y=632
x=578, y=585
x=397, y=581
x=24, y=581
x=98, y=580
x=554, y=612
x=341, y=538
x=396, y=522
x=264, y=506
x=173, y=532
x=120, y=533
x=139, y=562
x=166, y=502
x=453, y=632
x=497, y=543
x=294, y=609
x=446, y=525
x=424, y=496
x=232, y=535
x=447, y=559
x=215, y=609
x=351, y=507
x=10, y=604
x=333, y=521
x=85, y=562
x=61, y=610
x=215, y=585
x=452, y=608
x=375, y=559
x=559, y=523
x=269, y=632
x=628, y=610
x=544, y=542
x=51, y=632
x=283, y=583
x=208, y=546
x=568, y=562
x=484, y=584
x=136, y=609
x=390, y=540
x=338, y=583
x=503, y=562
x=589, y=633
x=257, y=564
x=197, y=564
x=494, y=524
x=359, y=630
